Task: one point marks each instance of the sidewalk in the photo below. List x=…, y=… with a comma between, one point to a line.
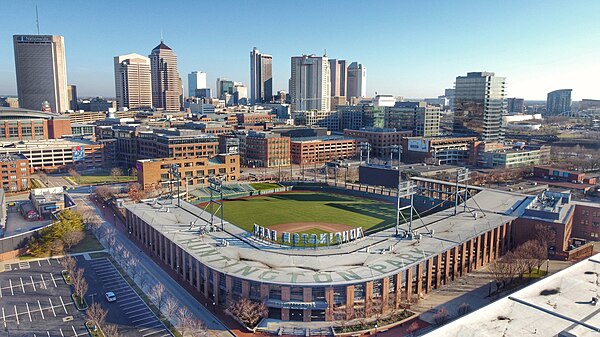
x=473, y=289
x=157, y=274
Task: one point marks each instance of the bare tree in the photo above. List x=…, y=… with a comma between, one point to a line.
x=105, y=192
x=136, y=192
x=135, y=268
x=545, y=235
x=441, y=316
x=97, y=314
x=80, y=285
x=91, y=219
x=247, y=311
x=528, y=252
x=143, y=278
x=111, y=330
x=116, y=171
x=72, y=238
x=170, y=308
x=188, y=325
x=157, y=295
x=69, y=264
x=74, y=174
x=520, y=263
x=412, y=328
x=463, y=309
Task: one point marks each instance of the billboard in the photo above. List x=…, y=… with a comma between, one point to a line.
x=78, y=153
x=418, y=145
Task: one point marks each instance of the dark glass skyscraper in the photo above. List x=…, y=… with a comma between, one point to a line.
x=558, y=101
x=261, y=77
x=479, y=104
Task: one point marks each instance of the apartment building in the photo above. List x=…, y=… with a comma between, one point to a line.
x=192, y=170
x=320, y=149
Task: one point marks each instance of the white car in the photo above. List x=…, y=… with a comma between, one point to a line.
x=110, y=296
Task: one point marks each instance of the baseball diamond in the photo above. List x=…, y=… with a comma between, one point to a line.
x=309, y=212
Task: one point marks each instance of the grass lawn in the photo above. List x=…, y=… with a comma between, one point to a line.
x=102, y=178
x=89, y=243
x=264, y=186
x=309, y=207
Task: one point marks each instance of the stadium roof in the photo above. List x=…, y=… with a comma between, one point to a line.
x=560, y=303
x=365, y=259
x=19, y=113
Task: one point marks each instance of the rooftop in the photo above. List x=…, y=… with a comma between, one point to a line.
x=376, y=256
x=320, y=139
x=559, y=303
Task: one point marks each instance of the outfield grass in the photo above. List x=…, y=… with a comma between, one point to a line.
x=309, y=207
x=264, y=186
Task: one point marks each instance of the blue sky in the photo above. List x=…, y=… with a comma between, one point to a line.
x=410, y=48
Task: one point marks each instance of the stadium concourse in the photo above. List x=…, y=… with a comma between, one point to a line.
x=373, y=275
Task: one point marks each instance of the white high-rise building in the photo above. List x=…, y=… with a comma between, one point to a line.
x=310, y=83
x=196, y=80
x=261, y=77
x=357, y=80
x=133, y=82
x=240, y=93
x=41, y=69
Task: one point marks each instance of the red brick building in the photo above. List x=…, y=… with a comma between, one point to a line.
x=15, y=172
x=264, y=149
x=380, y=139
x=310, y=150
x=253, y=118
x=193, y=170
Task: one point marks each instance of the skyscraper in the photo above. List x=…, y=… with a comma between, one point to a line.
x=515, y=105
x=339, y=72
x=133, y=83
x=41, y=69
x=196, y=80
x=558, y=101
x=224, y=86
x=310, y=84
x=261, y=77
x=72, y=94
x=167, y=90
x=479, y=103
x=356, y=81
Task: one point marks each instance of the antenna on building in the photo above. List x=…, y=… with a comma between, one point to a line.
x=37, y=20
x=325, y=53
x=161, y=36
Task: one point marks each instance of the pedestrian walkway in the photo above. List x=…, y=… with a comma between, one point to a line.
x=157, y=275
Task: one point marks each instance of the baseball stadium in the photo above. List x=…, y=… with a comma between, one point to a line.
x=324, y=253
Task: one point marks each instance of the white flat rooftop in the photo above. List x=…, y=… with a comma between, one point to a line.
x=248, y=258
x=562, y=302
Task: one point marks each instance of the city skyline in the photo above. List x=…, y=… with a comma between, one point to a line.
x=519, y=42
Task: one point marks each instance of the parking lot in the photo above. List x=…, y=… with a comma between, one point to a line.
x=129, y=311
x=35, y=301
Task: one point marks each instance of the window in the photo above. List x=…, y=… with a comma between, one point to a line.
x=339, y=295
x=594, y=235
x=296, y=294
x=595, y=224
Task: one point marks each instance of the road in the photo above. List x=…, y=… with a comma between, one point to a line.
x=214, y=325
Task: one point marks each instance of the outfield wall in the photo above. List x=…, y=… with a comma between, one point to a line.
x=422, y=204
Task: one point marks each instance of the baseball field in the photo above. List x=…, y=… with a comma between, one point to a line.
x=309, y=212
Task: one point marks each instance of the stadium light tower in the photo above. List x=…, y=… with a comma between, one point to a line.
x=364, y=146
x=174, y=173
